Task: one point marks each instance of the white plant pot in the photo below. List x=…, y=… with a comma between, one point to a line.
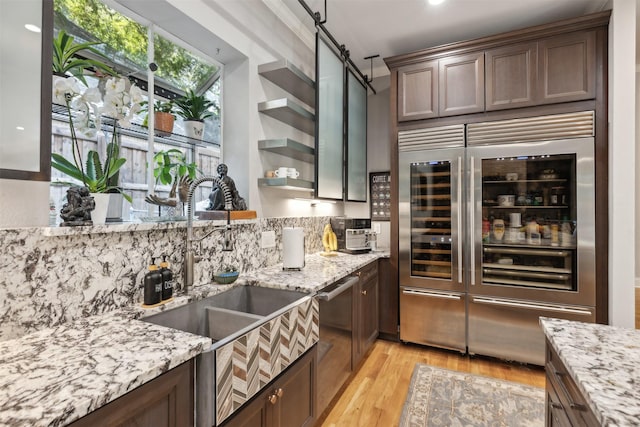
x=99, y=213
x=114, y=212
x=194, y=129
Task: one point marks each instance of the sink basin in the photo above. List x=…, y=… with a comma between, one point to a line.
x=243, y=314
x=229, y=313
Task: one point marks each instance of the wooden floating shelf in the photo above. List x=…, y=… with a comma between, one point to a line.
x=215, y=215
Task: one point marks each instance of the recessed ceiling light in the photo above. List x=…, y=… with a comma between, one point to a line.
x=434, y=2
x=19, y=128
x=32, y=27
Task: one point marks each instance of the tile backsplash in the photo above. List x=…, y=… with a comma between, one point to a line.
x=52, y=276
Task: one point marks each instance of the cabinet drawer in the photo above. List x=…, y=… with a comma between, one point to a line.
x=569, y=395
x=368, y=272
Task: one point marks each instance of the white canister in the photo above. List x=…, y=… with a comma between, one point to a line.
x=515, y=219
x=292, y=248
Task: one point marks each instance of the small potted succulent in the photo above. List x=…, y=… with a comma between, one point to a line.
x=193, y=109
x=163, y=117
x=227, y=274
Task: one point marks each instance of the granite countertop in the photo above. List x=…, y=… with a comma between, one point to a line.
x=57, y=375
x=604, y=361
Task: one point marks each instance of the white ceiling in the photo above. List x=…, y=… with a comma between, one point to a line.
x=394, y=27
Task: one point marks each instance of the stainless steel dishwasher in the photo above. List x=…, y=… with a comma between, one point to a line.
x=336, y=338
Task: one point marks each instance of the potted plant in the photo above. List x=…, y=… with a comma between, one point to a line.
x=66, y=61
x=163, y=117
x=194, y=109
x=85, y=109
x=171, y=168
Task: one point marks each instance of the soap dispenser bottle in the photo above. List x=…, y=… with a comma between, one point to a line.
x=167, y=279
x=152, y=285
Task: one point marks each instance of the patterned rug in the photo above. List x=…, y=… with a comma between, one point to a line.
x=439, y=397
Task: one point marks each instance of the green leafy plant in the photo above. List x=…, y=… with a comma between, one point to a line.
x=158, y=107
x=193, y=107
x=98, y=178
x=172, y=165
x=66, y=60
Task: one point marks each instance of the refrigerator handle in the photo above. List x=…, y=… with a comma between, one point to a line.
x=472, y=213
x=532, y=306
x=431, y=294
x=460, y=228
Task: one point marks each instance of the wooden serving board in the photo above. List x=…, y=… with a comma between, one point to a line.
x=214, y=215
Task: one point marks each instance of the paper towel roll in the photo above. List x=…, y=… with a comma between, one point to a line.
x=292, y=248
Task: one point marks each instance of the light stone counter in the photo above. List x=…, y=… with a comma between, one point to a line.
x=604, y=362
x=57, y=375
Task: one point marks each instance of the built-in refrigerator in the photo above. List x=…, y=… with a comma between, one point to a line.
x=496, y=228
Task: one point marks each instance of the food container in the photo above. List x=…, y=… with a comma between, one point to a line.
x=512, y=176
x=506, y=200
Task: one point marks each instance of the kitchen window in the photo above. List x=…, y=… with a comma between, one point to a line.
x=125, y=40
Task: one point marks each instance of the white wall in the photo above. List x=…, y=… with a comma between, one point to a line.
x=622, y=52
x=23, y=203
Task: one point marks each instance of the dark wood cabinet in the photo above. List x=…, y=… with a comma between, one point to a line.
x=567, y=67
x=365, y=311
x=511, y=79
x=418, y=91
x=166, y=401
x=461, y=84
x=289, y=401
x=565, y=404
x=387, y=300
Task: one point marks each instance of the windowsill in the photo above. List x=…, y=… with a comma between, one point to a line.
x=124, y=227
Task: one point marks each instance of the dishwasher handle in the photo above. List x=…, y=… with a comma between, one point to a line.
x=328, y=296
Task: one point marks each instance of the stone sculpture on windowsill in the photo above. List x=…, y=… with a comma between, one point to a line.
x=77, y=210
x=216, y=198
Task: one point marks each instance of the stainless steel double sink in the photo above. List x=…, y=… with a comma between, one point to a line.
x=224, y=318
x=229, y=313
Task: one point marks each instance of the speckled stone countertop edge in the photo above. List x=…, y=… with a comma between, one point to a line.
x=105, y=342
x=594, y=355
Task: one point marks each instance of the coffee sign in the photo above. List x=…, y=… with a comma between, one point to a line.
x=380, y=195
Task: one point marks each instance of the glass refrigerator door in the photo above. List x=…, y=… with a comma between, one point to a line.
x=534, y=208
x=429, y=252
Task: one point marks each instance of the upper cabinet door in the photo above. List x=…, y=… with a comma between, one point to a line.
x=567, y=67
x=330, y=94
x=418, y=91
x=356, y=139
x=461, y=84
x=511, y=76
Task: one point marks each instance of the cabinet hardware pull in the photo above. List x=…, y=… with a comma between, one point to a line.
x=573, y=405
x=555, y=405
x=279, y=392
x=364, y=292
x=273, y=399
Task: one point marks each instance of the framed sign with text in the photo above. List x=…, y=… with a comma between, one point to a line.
x=380, y=195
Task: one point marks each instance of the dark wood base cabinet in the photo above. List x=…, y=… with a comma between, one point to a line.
x=365, y=310
x=166, y=401
x=388, y=293
x=565, y=403
x=289, y=401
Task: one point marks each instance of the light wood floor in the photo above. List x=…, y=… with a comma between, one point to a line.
x=376, y=394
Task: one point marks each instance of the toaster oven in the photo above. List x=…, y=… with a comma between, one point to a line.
x=352, y=234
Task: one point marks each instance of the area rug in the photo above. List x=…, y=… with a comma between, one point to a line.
x=439, y=397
